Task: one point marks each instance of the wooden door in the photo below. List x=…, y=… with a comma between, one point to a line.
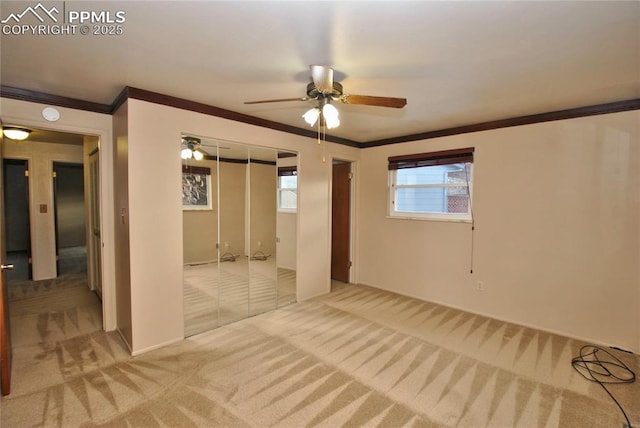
x=5, y=328
x=95, y=243
x=340, y=222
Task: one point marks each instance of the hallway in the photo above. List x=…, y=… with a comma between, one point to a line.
x=56, y=329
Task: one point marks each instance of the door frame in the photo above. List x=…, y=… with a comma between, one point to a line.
x=353, y=277
x=94, y=125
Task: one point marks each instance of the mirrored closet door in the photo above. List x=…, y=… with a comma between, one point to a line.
x=262, y=192
x=200, y=237
x=232, y=218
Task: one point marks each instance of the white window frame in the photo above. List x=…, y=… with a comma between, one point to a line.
x=412, y=215
x=280, y=190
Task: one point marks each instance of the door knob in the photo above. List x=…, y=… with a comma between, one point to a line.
x=6, y=267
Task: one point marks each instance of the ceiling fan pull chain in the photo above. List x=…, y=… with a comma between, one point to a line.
x=324, y=144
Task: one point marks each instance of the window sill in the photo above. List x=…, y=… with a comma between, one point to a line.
x=441, y=219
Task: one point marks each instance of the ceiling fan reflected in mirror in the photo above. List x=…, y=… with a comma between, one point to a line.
x=191, y=149
x=325, y=90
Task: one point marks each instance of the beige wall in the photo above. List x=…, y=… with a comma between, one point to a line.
x=557, y=229
x=287, y=242
x=262, y=208
x=233, y=190
x=157, y=258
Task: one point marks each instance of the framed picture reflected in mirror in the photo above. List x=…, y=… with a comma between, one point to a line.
x=196, y=188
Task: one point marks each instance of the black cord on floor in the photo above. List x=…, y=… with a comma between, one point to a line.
x=599, y=365
x=259, y=255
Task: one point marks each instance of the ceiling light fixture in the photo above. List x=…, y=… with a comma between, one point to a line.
x=311, y=116
x=197, y=155
x=191, y=149
x=17, y=134
x=324, y=89
x=330, y=114
x=326, y=112
x=188, y=153
x=326, y=116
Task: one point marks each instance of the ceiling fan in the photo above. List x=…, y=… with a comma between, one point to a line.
x=191, y=148
x=324, y=89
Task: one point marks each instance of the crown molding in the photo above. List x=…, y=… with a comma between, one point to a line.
x=614, y=107
x=181, y=103
x=184, y=104
x=50, y=99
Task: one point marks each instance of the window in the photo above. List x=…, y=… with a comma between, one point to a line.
x=431, y=185
x=287, y=189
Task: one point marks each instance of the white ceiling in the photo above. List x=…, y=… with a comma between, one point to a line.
x=457, y=63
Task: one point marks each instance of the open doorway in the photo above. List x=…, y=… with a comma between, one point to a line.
x=69, y=215
x=16, y=217
x=341, y=221
x=54, y=303
x=75, y=139
x=58, y=173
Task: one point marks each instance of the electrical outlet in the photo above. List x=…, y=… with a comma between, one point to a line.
x=259, y=244
x=226, y=245
x=480, y=286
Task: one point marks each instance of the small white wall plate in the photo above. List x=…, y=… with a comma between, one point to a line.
x=51, y=114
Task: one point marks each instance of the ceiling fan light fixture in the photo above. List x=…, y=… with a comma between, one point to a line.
x=198, y=155
x=17, y=134
x=324, y=89
x=333, y=122
x=311, y=116
x=186, y=153
x=330, y=114
x=329, y=111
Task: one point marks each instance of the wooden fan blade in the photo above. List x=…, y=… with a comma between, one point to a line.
x=276, y=101
x=322, y=77
x=374, y=101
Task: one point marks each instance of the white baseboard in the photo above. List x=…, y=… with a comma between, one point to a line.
x=159, y=345
x=124, y=339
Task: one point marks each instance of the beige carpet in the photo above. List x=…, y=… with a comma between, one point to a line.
x=356, y=357
x=220, y=293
